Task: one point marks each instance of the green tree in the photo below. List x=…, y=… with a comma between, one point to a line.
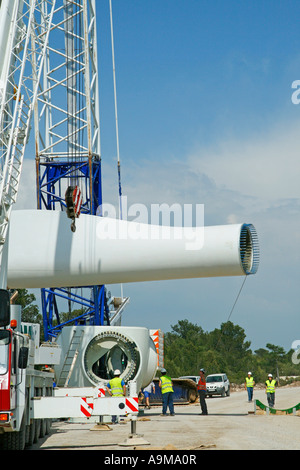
x=30, y=311
x=234, y=352
x=184, y=347
x=276, y=355
x=187, y=331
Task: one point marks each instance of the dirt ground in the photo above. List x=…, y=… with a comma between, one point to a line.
x=230, y=425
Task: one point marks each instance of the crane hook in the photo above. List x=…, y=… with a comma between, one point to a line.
x=73, y=200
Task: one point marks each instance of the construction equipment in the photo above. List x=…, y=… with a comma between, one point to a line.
x=73, y=203
x=103, y=349
x=67, y=149
x=20, y=382
x=185, y=392
x=67, y=140
x=30, y=398
x=27, y=86
x=22, y=53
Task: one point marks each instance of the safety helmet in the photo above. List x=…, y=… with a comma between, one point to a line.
x=117, y=372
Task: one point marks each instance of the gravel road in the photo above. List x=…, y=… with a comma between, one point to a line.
x=228, y=426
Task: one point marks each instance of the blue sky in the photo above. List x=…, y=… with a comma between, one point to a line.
x=206, y=116
x=208, y=68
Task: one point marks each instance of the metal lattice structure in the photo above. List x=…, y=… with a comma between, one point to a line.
x=67, y=127
x=23, y=48
x=49, y=70
x=67, y=140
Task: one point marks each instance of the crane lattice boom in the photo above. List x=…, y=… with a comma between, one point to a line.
x=24, y=32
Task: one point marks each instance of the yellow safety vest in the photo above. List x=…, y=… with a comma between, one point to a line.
x=270, y=386
x=166, y=384
x=116, y=387
x=249, y=381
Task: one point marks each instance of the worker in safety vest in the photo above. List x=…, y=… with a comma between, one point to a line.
x=201, y=387
x=116, y=388
x=270, y=390
x=166, y=386
x=249, y=384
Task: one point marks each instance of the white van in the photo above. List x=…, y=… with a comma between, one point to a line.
x=217, y=384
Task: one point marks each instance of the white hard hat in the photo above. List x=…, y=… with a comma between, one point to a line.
x=270, y=375
x=249, y=373
x=117, y=372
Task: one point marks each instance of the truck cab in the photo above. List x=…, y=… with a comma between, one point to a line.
x=13, y=359
x=20, y=383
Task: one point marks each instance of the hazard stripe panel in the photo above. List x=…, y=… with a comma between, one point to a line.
x=132, y=404
x=86, y=408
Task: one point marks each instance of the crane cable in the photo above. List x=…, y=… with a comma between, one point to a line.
x=237, y=297
x=116, y=115
x=234, y=304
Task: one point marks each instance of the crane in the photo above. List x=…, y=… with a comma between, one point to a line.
x=24, y=32
x=67, y=143
x=49, y=71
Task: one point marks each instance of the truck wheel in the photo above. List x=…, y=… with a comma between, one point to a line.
x=2, y=436
x=192, y=396
x=31, y=434
x=14, y=440
x=48, y=425
x=21, y=441
x=43, y=428
x=6, y=441
x=37, y=430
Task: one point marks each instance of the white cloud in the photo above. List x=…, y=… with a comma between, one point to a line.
x=264, y=166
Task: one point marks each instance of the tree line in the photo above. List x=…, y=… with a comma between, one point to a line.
x=188, y=347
